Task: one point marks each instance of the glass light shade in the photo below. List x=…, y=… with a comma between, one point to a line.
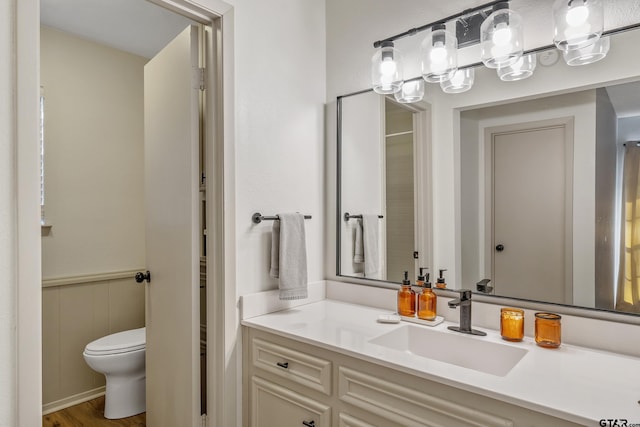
x=577, y=23
x=439, y=52
x=501, y=38
x=410, y=92
x=522, y=69
x=588, y=54
x=461, y=81
x=386, y=69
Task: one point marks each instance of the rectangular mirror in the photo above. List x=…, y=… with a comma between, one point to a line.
x=541, y=208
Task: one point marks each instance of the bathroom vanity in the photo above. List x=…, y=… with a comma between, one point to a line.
x=330, y=363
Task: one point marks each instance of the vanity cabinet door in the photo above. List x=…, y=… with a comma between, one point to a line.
x=276, y=406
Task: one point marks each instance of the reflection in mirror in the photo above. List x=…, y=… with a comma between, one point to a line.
x=377, y=208
x=542, y=206
x=530, y=173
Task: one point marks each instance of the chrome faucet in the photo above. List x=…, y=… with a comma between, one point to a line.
x=465, y=313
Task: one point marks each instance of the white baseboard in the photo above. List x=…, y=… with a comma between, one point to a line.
x=48, y=408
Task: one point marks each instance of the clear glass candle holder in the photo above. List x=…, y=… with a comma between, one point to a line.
x=511, y=324
x=547, y=330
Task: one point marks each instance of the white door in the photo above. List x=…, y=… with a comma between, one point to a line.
x=171, y=108
x=530, y=235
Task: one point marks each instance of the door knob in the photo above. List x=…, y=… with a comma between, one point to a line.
x=141, y=277
x=500, y=247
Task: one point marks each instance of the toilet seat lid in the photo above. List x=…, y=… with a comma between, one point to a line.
x=120, y=342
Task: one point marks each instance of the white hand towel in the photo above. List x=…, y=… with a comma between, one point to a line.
x=289, y=256
x=371, y=238
x=358, y=244
x=275, y=250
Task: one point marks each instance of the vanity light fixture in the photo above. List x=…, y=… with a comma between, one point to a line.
x=501, y=37
x=578, y=29
x=589, y=54
x=411, y=91
x=386, y=69
x=461, y=81
x=439, y=53
x=522, y=69
x=577, y=23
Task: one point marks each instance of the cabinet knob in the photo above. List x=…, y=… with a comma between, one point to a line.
x=284, y=365
x=309, y=423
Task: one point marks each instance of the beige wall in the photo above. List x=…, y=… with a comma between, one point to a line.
x=94, y=199
x=94, y=142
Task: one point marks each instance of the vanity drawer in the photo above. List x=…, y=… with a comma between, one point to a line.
x=407, y=405
x=276, y=406
x=299, y=367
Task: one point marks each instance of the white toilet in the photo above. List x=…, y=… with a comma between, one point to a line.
x=120, y=357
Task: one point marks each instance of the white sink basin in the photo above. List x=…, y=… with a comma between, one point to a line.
x=453, y=347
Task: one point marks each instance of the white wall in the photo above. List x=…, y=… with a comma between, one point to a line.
x=362, y=179
x=7, y=219
x=280, y=74
x=628, y=129
x=94, y=156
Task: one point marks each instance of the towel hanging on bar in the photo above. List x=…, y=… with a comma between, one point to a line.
x=289, y=256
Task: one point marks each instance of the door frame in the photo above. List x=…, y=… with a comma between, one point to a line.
x=222, y=332
x=487, y=238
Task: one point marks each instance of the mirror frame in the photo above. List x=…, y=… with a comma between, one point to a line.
x=566, y=309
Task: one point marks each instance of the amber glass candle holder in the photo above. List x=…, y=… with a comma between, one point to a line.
x=548, y=330
x=512, y=324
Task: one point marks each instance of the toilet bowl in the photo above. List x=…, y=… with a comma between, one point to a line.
x=120, y=357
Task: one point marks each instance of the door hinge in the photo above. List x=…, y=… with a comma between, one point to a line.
x=204, y=420
x=201, y=77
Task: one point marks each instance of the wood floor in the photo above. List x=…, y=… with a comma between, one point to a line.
x=89, y=414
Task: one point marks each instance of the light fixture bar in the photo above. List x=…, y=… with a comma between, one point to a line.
x=416, y=30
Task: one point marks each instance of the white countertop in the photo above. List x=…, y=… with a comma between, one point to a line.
x=574, y=383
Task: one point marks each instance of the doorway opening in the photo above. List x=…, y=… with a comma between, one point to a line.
x=94, y=157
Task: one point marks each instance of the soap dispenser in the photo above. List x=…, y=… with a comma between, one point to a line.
x=406, y=298
x=420, y=281
x=427, y=302
x=440, y=284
